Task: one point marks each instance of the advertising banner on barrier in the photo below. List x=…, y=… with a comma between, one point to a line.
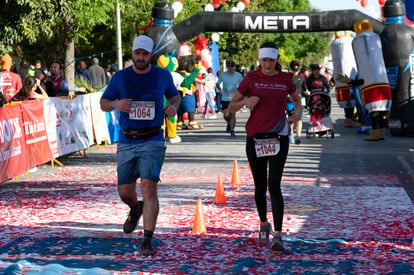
x=69, y=122
x=34, y=126
x=99, y=123
x=13, y=154
x=51, y=116
x=112, y=119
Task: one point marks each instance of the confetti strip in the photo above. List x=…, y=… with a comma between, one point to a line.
x=70, y=221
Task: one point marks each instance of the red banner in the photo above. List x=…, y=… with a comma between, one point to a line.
x=13, y=154
x=34, y=125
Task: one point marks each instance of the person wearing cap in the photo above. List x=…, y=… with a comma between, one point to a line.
x=299, y=80
x=10, y=82
x=265, y=91
x=227, y=83
x=316, y=82
x=137, y=92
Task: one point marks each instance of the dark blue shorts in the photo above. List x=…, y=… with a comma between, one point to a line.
x=142, y=160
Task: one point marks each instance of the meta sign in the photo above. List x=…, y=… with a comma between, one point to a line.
x=276, y=22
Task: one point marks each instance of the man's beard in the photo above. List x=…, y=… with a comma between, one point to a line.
x=141, y=66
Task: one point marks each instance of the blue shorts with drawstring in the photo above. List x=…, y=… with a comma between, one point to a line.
x=143, y=160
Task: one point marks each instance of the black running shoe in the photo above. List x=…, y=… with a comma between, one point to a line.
x=264, y=233
x=277, y=243
x=146, y=248
x=133, y=218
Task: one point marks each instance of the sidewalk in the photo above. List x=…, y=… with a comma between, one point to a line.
x=348, y=210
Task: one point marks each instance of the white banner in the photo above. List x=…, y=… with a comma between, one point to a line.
x=72, y=127
x=100, y=125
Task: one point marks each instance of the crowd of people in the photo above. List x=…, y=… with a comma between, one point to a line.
x=39, y=82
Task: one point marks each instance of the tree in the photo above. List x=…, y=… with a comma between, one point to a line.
x=64, y=29
x=54, y=26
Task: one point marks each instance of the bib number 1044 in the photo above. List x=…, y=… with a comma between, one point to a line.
x=267, y=147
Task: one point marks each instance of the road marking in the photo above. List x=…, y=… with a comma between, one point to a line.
x=406, y=166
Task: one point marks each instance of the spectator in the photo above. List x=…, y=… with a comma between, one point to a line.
x=82, y=72
x=28, y=91
x=98, y=75
x=32, y=70
x=12, y=82
x=210, y=85
x=316, y=81
x=60, y=83
x=25, y=68
x=46, y=84
x=108, y=75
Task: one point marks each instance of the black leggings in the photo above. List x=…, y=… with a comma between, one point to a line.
x=262, y=180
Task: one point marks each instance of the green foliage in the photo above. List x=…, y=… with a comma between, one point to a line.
x=40, y=29
x=81, y=82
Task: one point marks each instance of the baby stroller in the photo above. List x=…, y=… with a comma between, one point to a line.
x=319, y=109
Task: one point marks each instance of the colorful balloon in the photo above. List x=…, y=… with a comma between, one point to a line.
x=364, y=3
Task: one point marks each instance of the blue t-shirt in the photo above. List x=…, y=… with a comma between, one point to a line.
x=230, y=84
x=147, y=92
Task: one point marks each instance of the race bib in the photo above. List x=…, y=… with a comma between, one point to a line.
x=142, y=110
x=267, y=147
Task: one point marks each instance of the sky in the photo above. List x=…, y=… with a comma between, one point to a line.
x=372, y=9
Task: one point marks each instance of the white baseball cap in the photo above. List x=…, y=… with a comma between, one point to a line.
x=143, y=42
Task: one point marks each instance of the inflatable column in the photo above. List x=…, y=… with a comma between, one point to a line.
x=161, y=31
x=344, y=64
x=375, y=92
x=397, y=47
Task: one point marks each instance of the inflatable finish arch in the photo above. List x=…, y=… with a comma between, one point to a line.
x=168, y=38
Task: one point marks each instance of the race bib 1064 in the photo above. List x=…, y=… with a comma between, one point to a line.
x=267, y=147
x=142, y=110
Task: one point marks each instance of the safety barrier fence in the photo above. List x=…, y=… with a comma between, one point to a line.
x=34, y=132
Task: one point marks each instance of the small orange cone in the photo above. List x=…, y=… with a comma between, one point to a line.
x=199, y=226
x=235, y=177
x=220, y=198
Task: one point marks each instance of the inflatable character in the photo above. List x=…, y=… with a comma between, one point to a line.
x=170, y=63
x=347, y=91
x=375, y=91
x=188, y=67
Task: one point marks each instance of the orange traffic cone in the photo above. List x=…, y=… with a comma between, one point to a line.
x=199, y=226
x=235, y=177
x=220, y=198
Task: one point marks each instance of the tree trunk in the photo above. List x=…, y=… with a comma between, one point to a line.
x=69, y=63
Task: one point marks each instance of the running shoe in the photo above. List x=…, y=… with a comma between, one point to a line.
x=291, y=138
x=297, y=140
x=133, y=219
x=264, y=233
x=146, y=248
x=277, y=243
x=232, y=134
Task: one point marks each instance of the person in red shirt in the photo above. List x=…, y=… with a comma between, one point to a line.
x=265, y=91
x=10, y=83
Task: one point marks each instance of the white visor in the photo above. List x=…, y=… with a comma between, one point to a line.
x=268, y=53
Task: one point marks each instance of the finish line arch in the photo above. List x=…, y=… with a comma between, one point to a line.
x=397, y=40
